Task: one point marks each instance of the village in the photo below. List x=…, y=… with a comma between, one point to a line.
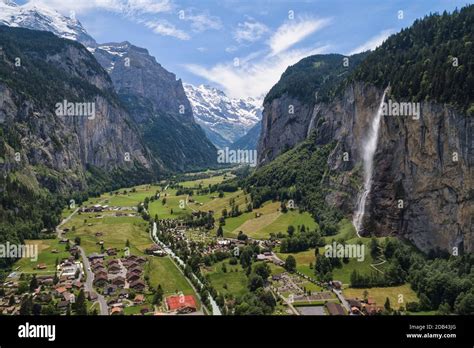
x=114, y=280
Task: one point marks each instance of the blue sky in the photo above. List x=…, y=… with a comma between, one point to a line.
x=243, y=46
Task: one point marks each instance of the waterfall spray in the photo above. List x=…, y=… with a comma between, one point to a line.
x=369, y=147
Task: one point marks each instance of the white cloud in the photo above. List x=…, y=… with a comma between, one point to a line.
x=294, y=31
x=165, y=28
x=231, y=49
x=126, y=7
x=256, y=74
x=250, y=31
x=373, y=42
x=202, y=21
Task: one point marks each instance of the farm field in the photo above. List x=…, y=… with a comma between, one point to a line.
x=206, y=182
x=115, y=232
x=161, y=270
x=303, y=259
x=380, y=294
x=234, y=281
x=45, y=255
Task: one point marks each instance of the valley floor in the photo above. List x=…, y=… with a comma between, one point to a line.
x=112, y=230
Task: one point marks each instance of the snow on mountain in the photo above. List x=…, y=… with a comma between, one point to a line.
x=224, y=119
x=33, y=17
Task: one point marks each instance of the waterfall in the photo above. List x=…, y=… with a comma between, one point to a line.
x=369, y=147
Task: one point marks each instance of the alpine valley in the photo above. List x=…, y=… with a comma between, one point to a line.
x=361, y=202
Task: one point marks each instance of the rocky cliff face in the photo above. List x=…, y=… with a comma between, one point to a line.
x=285, y=123
x=422, y=170
x=422, y=180
x=56, y=71
x=158, y=103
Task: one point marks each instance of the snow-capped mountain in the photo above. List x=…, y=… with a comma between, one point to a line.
x=224, y=119
x=43, y=18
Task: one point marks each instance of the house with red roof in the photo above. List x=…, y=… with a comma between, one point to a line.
x=181, y=304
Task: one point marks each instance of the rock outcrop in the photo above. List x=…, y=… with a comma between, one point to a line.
x=55, y=71
x=158, y=103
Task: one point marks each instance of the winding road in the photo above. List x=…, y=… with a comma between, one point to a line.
x=88, y=284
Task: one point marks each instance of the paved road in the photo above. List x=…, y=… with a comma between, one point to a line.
x=58, y=230
x=342, y=299
x=88, y=286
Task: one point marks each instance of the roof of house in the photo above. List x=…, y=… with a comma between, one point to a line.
x=139, y=298
x=176, y=302
x=61, y=289
x=335, y=308
x=116, y=310
x=136, y=283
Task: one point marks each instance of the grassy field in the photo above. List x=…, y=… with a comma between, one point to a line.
x=115, y=232
x=206, y=182
x=380, y=294
x=234, y=279
x=45, y=255
x=303, y=259
x=129, y=199
x=161, y=270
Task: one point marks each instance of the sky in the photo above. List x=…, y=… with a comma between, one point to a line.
x=243, y=46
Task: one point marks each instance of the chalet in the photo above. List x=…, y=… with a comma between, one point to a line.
x=111, y=251
x=135, y=270
x=113, y=262
x=63, y=305
x=139, y=299
x=69, y=297
x=44, y=297
x=123, y=293
x=116, y=311
x=132, y=258
x=354, y=303
x=141, y=259
x=60, y=290
x=100, y=280
x=114, y=268
x=336, y=284
x=133, y=278
x=97, y=267
x=45, y=279
x=118, y=281
x=94, y=256
x=110, y=289
x=100, y=273
x=371, y=309
x=335, y=308
x=181, y=304
x=137, y=285
x=77, y=284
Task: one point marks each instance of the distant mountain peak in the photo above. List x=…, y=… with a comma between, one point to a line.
x=35, y=17
x=223, y=118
